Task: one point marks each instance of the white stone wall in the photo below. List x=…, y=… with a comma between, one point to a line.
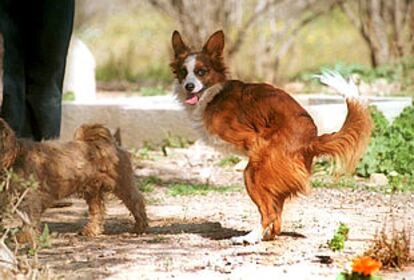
x=153, y=118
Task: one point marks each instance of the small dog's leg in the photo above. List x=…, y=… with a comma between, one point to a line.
x=134, y=201
x=30, y=211
x=96, y=206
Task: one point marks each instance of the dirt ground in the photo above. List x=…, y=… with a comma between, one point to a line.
x=189, y=236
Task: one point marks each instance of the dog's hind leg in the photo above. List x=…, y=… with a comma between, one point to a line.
x=269, y=206
x=269, y=182
x=128, y=192
x=95, y=201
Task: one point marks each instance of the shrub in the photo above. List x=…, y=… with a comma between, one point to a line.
x=392, y=146
x=393, y=249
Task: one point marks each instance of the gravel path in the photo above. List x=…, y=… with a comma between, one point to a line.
x=189, y=235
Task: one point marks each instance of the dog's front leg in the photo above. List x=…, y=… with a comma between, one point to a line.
x=96, y=206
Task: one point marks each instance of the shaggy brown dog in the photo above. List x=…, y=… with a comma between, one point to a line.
x=266, y=124
x=90, y=165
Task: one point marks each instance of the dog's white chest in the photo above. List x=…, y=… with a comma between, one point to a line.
x=196, y=115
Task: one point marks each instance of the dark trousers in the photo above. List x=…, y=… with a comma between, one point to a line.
x=36, y=37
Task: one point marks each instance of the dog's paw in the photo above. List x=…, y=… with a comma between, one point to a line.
x=253, y=237
x=90, y=231
x=140, y=227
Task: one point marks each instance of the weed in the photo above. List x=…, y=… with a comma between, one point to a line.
x=13, y=190
x=176, y=141
x=43, y=241
x=337, y=243
x=198, y=189
x=393, y=250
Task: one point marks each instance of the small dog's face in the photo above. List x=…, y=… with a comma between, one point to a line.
x=197, y=71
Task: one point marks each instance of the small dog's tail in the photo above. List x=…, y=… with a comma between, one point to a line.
x=93, y=133
x=348, y=144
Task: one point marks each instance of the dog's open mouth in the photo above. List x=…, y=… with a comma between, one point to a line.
x=192, y=98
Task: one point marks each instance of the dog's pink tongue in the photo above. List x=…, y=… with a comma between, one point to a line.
x=192, y=100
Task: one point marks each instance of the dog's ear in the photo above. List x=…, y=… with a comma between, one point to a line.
x=8, y=145
x=117, y=136
x=215, y=44
x=178, y=44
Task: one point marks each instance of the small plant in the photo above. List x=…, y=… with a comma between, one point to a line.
x=337, y=243
x=393, y=250
x=175, y=141
x=13, y=190
x=363, y=268
x=197, y=189
x=43, y=241
x=229, y=161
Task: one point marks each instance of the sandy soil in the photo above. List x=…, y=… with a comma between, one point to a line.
x=189, y=236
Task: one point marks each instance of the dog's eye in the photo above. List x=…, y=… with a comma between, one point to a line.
x=183, y=72
x=201, y=72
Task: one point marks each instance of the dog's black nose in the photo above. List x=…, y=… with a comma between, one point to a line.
x=189, y=86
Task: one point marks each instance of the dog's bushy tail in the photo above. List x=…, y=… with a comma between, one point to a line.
x=348, y=144
x=93, y=133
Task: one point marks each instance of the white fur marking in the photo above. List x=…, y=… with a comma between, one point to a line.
x=196, y=114
x=333, y=79
x=189, y=64
x=253, y=237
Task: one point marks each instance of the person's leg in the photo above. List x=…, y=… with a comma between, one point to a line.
x=13, y=104
x=49, y=27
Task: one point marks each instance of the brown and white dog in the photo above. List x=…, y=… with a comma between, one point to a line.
x=266, y=124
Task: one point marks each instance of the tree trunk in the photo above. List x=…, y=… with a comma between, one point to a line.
x=387, y=26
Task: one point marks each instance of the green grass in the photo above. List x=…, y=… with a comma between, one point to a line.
x=330, y=182
x=397, y=183
x=229, y=161
x=148, y=184
x=68, y=96
x=153, y=91
x=198, y=189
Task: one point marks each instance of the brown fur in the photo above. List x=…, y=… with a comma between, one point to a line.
x=91, y=165
x=278, y=135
